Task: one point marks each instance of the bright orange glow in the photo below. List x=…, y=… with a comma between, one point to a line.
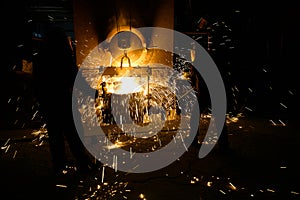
x=124, y=85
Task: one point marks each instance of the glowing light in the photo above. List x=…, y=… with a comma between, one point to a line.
x=283, y=105
x=102, y=177
x=248, y=109
x=293, y=192
x=273, y=123
x=282, y=123
x=117, y=144
x=124, y=85
x=232, y=186
x=14, y=156
x=270, y=190
x=222, y=191
x=62, y=186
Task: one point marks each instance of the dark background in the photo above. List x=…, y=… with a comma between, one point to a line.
x=265, y=37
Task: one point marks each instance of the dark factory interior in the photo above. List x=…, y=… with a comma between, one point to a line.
x=191, y=99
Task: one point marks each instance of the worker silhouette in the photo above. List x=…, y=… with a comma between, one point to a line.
x=54, y=73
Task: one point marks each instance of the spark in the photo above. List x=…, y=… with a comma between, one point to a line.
x=183, y=142
x=6, y=142
x=248, y=109
x=7, y=148
x=293, y=192
x=130, y=150
x=291, y=92
x=235, y=87
x=232, y=186
x=282, y=122
x=62, y=186
x=106, y=190
x=273, y=122
x=222, y=191
x=283, y=105
x=200, y=37
x=33, y=116
x=102, y=177
x=50, y=17
x=269, y=190
x=15, y=154
x=115, y=163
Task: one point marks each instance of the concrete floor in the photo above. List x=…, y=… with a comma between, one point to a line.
x=262, y=164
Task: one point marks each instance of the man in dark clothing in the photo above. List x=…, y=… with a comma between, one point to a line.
x=54, y=73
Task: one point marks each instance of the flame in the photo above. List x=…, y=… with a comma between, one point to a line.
x=124, y=85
